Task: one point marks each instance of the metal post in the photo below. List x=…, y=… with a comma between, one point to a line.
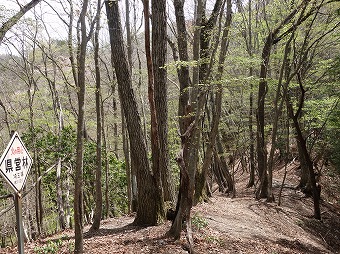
x=20, y=230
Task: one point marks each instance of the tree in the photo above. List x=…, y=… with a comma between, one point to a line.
x=78, y=181
x=129, y=169
x=159, y=52
x=199, y=94
x=217, y=105
x=272, y=38
x=155, y=148
x=99, y=195
x=148, y=209
x=183, y=204
x=250, y=38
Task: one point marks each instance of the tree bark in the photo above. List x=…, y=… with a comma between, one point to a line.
x=183, y=69
x=278, y=105
x=147, y=210
x=155, y=144
x=128, y=161
x=302, y=141
x=185, y=196
x=224, y=166
x=183, y=206
x=204, y=72
x=200, y=190
x=98, y=184
x=260, y=135
x=159, y=51
x=251, y=103
x=262, y=191
x=78, y=181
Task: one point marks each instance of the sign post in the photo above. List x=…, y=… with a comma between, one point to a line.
x=15, y=164
x=20, y=230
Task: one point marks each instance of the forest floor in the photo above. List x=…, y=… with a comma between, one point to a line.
x=224, y=225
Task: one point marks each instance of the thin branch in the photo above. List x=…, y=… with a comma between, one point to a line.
x=14, y=19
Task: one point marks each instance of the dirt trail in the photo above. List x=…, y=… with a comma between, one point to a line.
x=252, y=225
x=224, y=225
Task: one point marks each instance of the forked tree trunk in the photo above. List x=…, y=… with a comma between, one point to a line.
x=148, y=212
x=300, y=139
x=182, y=207
x=200, y=190
x=155, y=144
x=284, y=72
x=185, y=197
x=262, y=191
x=206, y=54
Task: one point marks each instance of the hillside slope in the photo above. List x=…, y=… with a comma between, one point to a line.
x=224, y=225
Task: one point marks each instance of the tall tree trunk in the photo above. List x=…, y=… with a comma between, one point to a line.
x=129, y=170
x=148, y=207
x=206, y=54
x=40, y=210
x=251, y=136
x=302, y=141
x=277, y=112
x=251, y=103
x=190, y=136
x=78, y=180
x=184, y=111
x=262, y=191
x=67, y=198
x=200, y=189
x=130, y=173
x=128, y=33
x=159, y=51
x=183, y=69
x=260, y=135
x=286, y=157
x=98, y=196
x=106, y=164
x=155, y=147
x=199, y=8
x=304, y=183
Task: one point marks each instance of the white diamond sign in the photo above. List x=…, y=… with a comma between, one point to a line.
x=15, y=163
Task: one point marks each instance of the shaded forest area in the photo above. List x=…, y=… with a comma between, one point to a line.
x=152, y=107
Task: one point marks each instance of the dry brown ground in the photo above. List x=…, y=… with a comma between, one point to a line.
x=224, y=225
